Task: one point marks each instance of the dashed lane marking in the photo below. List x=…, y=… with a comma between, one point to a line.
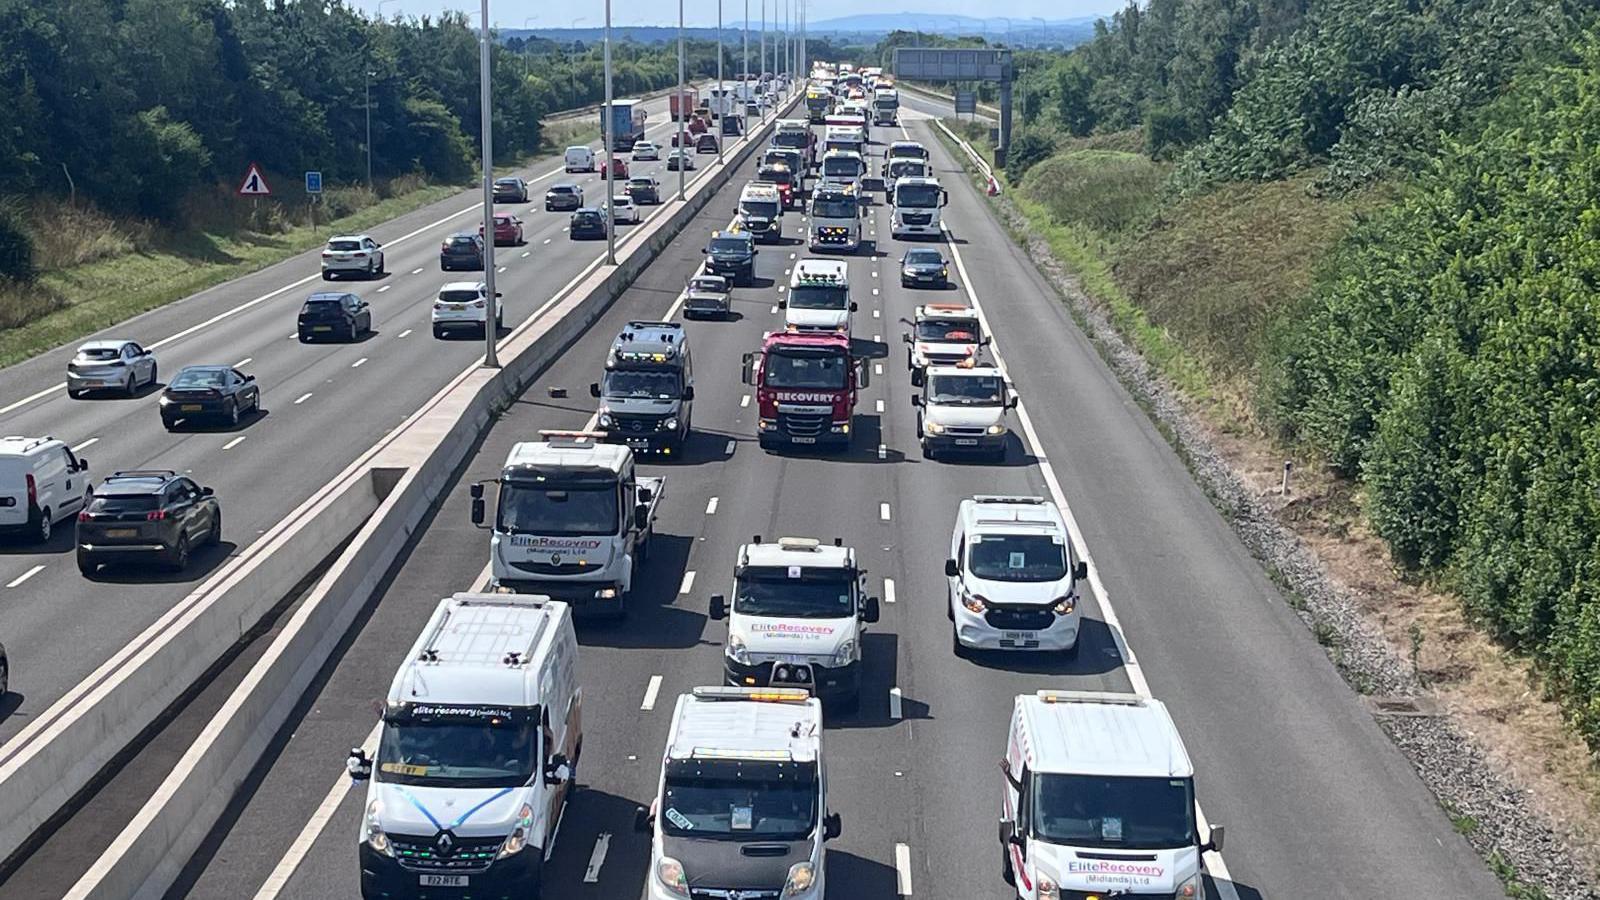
x=404, y=333
x=597, y=858
x=888, y=590
x=744, y=401
x=650, y=692
x=302, y=398
x=359, y=363
x=896, y=704
x=711, y=507
x=902, y=869
x=883, y=511
x=17, y=581
x=417, y=271
x=385, y=288
x=234, y=443
x=688, y=582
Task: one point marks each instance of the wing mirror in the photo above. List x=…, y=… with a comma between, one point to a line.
x=719, y=607
x=642, y=820
x=207, y=492
x=747, y=374
x=646, y=495
x=916, y=400
x=360, y=767
x=918, y=377
x=905, y=337
x=853, y=306
x=833, y=826
x=83, y=464
x=1012, y=401
x=871, y=610
x=1080, y=571
x=594, y=389
x=783, y=304
x=641, y=518
x=951, y=570
x=558, y=770
x=477, y=503
x=688, y=392
x=250, y=379
x=1216, y=839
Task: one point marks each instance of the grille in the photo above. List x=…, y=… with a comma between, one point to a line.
x=802, y=424
x=539, y=568
x=731, y=894
x=1019, y=618
x=636, y=424
x=465, y=854
x=916, y=218
x=965, y=432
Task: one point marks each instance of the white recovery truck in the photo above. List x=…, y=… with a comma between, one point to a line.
x=573, y=521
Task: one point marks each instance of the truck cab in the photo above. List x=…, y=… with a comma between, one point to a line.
x=963, y=410
x=795, y=134
x=741, y=807
x=477, y=753
x=807, y=386
x=761, y=212
x=885, y=106
x=799, y=612
x=916, y=204
x=647, y=397
x=819, y=297
x=572, y=520
x=1097, y=800
x=835, y=216
x=943, y=334
x=843, y=166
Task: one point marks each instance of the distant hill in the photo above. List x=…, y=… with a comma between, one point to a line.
x=866, y=27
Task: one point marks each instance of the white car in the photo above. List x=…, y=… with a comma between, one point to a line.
x=355, y=254
x=626, y=212
x=680, y=159
x=464, y=306
x=1013, y=577
x=110, y=366
x=646, y=151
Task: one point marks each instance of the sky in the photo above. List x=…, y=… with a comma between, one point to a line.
x=543, y=14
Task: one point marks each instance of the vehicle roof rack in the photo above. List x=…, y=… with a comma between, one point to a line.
x=1005, y=498
x=571, y=438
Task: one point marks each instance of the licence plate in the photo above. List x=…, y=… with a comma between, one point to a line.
x=1018, y=636
x=122, y=532
x=966, y=442
x=322, y=328
x=190, y=407
x=443, y=880
x=804, y=440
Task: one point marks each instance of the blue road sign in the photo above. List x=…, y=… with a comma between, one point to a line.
x=313, y=182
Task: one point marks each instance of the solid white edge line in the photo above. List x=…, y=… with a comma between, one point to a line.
x=597, y=858
x=688, y=582
x=17, y=581
x=651, y=691
x=902, y=869
x=1215, y=866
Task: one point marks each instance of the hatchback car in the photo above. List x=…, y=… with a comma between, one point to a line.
x=679, y=159
x=510, y=190
x=564, y=196
x=644, y=190
x=587, y=223
x=147, y=516
x=110, y=365
x=209, y=392
x=507, y=230
x=464, y=306
x=327, y=316
x=645, y=150
x=461, y=251
x=707, y=143
x=619, y=168
x=623, y=207
x=352, y=255
x=924, y=266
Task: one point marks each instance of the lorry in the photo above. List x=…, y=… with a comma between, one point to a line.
x=819, y=297
x=807, y=385
x=477, y=752
x=886, y=106
x=819, y=102
x=798, y=617
x=647, y=397
x=681, y=104
x=573, y=520
x=720, y=101
x=761, y=211
x=627, y=124
x=916, y=204
x=796, y=134
x=835, y=222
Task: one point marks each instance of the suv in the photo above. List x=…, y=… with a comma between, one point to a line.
x=732, y=254
x=963, y=411
x=41, y=482
x=146, y=514
x=461, y=251
x=587, y=223
x=510, y=190
x=644, y=190
x=1013, y=577
x=564, y=196
x=329, y=315
x=464, y=305
x=352, y=255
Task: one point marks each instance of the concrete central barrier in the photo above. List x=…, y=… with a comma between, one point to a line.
x=393, y=487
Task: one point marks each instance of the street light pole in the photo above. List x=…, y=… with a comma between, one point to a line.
x=572, y=63
x=491, y=334
x=744, y=124
x=722, y=90
x=525, y=42
x=683, y=112
x=763, y=64
x=369, y=128
x=609, y=138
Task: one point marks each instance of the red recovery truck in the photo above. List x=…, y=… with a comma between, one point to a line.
x=683, y=104
x=806, y=385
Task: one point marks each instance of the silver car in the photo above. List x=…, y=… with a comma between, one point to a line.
x=121, y=366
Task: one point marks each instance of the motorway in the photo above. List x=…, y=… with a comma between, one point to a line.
x=1315, y=798
x=324, y=404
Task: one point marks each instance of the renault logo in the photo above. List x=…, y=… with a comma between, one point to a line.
x=444, y=844
x=555, y=559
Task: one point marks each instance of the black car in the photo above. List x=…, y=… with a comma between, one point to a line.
x=644, y=191
x=5, y=671
x=461, y=251
x=706, y=143
x=214, y=392
x=924, y=266
x=146, y=516
x=563, y=196
x=330, y=316
x=510, y=190
x=732, y=127
x=732, y=254
x=588, y=223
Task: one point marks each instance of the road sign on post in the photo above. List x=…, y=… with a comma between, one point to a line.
x=966, y=102
x=254, y=185
x=313, y=182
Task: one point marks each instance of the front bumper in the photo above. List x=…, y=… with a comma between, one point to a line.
x=974, y=631
x=663, y=442
x=964, y=443
x=826, y=682
x=576, y=593
x=769, y=435
x=932, y=279
x=513, y=878
x=901, y=228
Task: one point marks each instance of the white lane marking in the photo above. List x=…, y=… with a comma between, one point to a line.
x=650, y=692
x=896, y=704
x=500, y=269
x=234, y=443
x=597, y=858
x=711, y=507
x=876, y=314
x=17, y=581
x=1213, y=860
x=526, y=252
x=888, y=590
x=688, y=582
x=877, y=339
x=385, y=288
x=883, y=451
x=547, y=240
x=883, y=511
x=728, y=451
x=874, y=292
x=418, y=270
x=404, y=333
x=744, y=401
x=791, y=256
x=359, y=363
x=302, y=398
x=293, y=336
x=246, y=361
x=785, y=271
x=877, y=368
x=874, y=273
x=902, y=869
x=880, y=406
x=89, y=443
x=774, y=309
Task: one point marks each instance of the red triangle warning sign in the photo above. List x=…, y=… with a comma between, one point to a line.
x=254, y=185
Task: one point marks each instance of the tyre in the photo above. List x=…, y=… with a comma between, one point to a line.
x=87, y=566
x=168, y=423
x=381, y=263
x=233, y=412
x=5, y=678
x=214, y=536
x=956, y=646
x=255, y=404
x=179, y=558
x=372, y=269
x=155, y=374
x=355, y=332
x=438, y=333
x=42, y=529
x=326, y=275
x=131, y=387
x=74, y=394
x=1072, y=652
x=927, y=451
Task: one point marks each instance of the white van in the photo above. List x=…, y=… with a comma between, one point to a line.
x=1013, y=577
x=1097, y=799
x=477, y=751
x=580, y=159
x=41, y=483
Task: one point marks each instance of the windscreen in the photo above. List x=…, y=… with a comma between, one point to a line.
x=556, y=510
x=101, y=353
x=810, y=296
x=728, y=245
x=761, y=209
x=457, y=754
x=739, y=800
x=794, y=140
x=841, y=167
x=113, y=504
x=563, y=189
x=924, y=257
x=945, y=332
x=966, y=390
x=779, y=592
x=821, y=371
x=916, y=196
x=199, y=378
x=1017, y=557
x=835, y=206
x=908, y=151
x=344, y=246
x=506, y=182
x=459, y=296
x=661, y=385
x=1123, y=813
x=907, y=168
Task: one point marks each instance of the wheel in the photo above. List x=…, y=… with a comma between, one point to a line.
x=74, y=394
x=949, y=606
x=168, y=423
x=5, y=678
x=87, y=566
x=326, y=275
x=1072, y=652
x=233, y=412
x=438, y=333
x=956, y=646
x=927, y=451
x=381, y=263
x=255, y=403
x=155, y=374
x=130, y=388
x=179, y=560
x=42, y=529
x=214, y=536
x=355, y=332
x=372, y=269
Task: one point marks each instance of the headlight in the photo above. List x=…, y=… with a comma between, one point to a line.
x=605, y=420
x=737, y=651
x=845, y=655
x=518, y=839
x=1048, y=889
x=609, y=593
x=1065, y=605
x=670, y=424
x=376, y=838
x=166, y=401
x=1190, y=888
x=933, y=427
x=974, y=603
x=802, y=875
x=944, y=272
x=669, y=874
x=997, y=428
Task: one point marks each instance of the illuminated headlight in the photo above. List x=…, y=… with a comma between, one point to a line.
x=1190, y=888
x=907, y=271
x=1065, y=605
x=609, y=593
x=517, y=841
x=933, y=427
x=845, y=655
x=997, y=429
x=166, y=401
x=944, y=271
x=1048, y=889
x=376, y=838
x=669, y=874
x=802, y=875
x=841, y=429
x=765, y=424
x=605, y=420
x=670, y=424
x=737, y=651
x=974, y=603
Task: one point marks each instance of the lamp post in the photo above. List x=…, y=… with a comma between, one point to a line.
x=722, y=90
x=745, y=75
x=368, y=91
x=525, y=42
x=572, y=63
x=490, y=333
x=683, y=112
x=609, y=138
